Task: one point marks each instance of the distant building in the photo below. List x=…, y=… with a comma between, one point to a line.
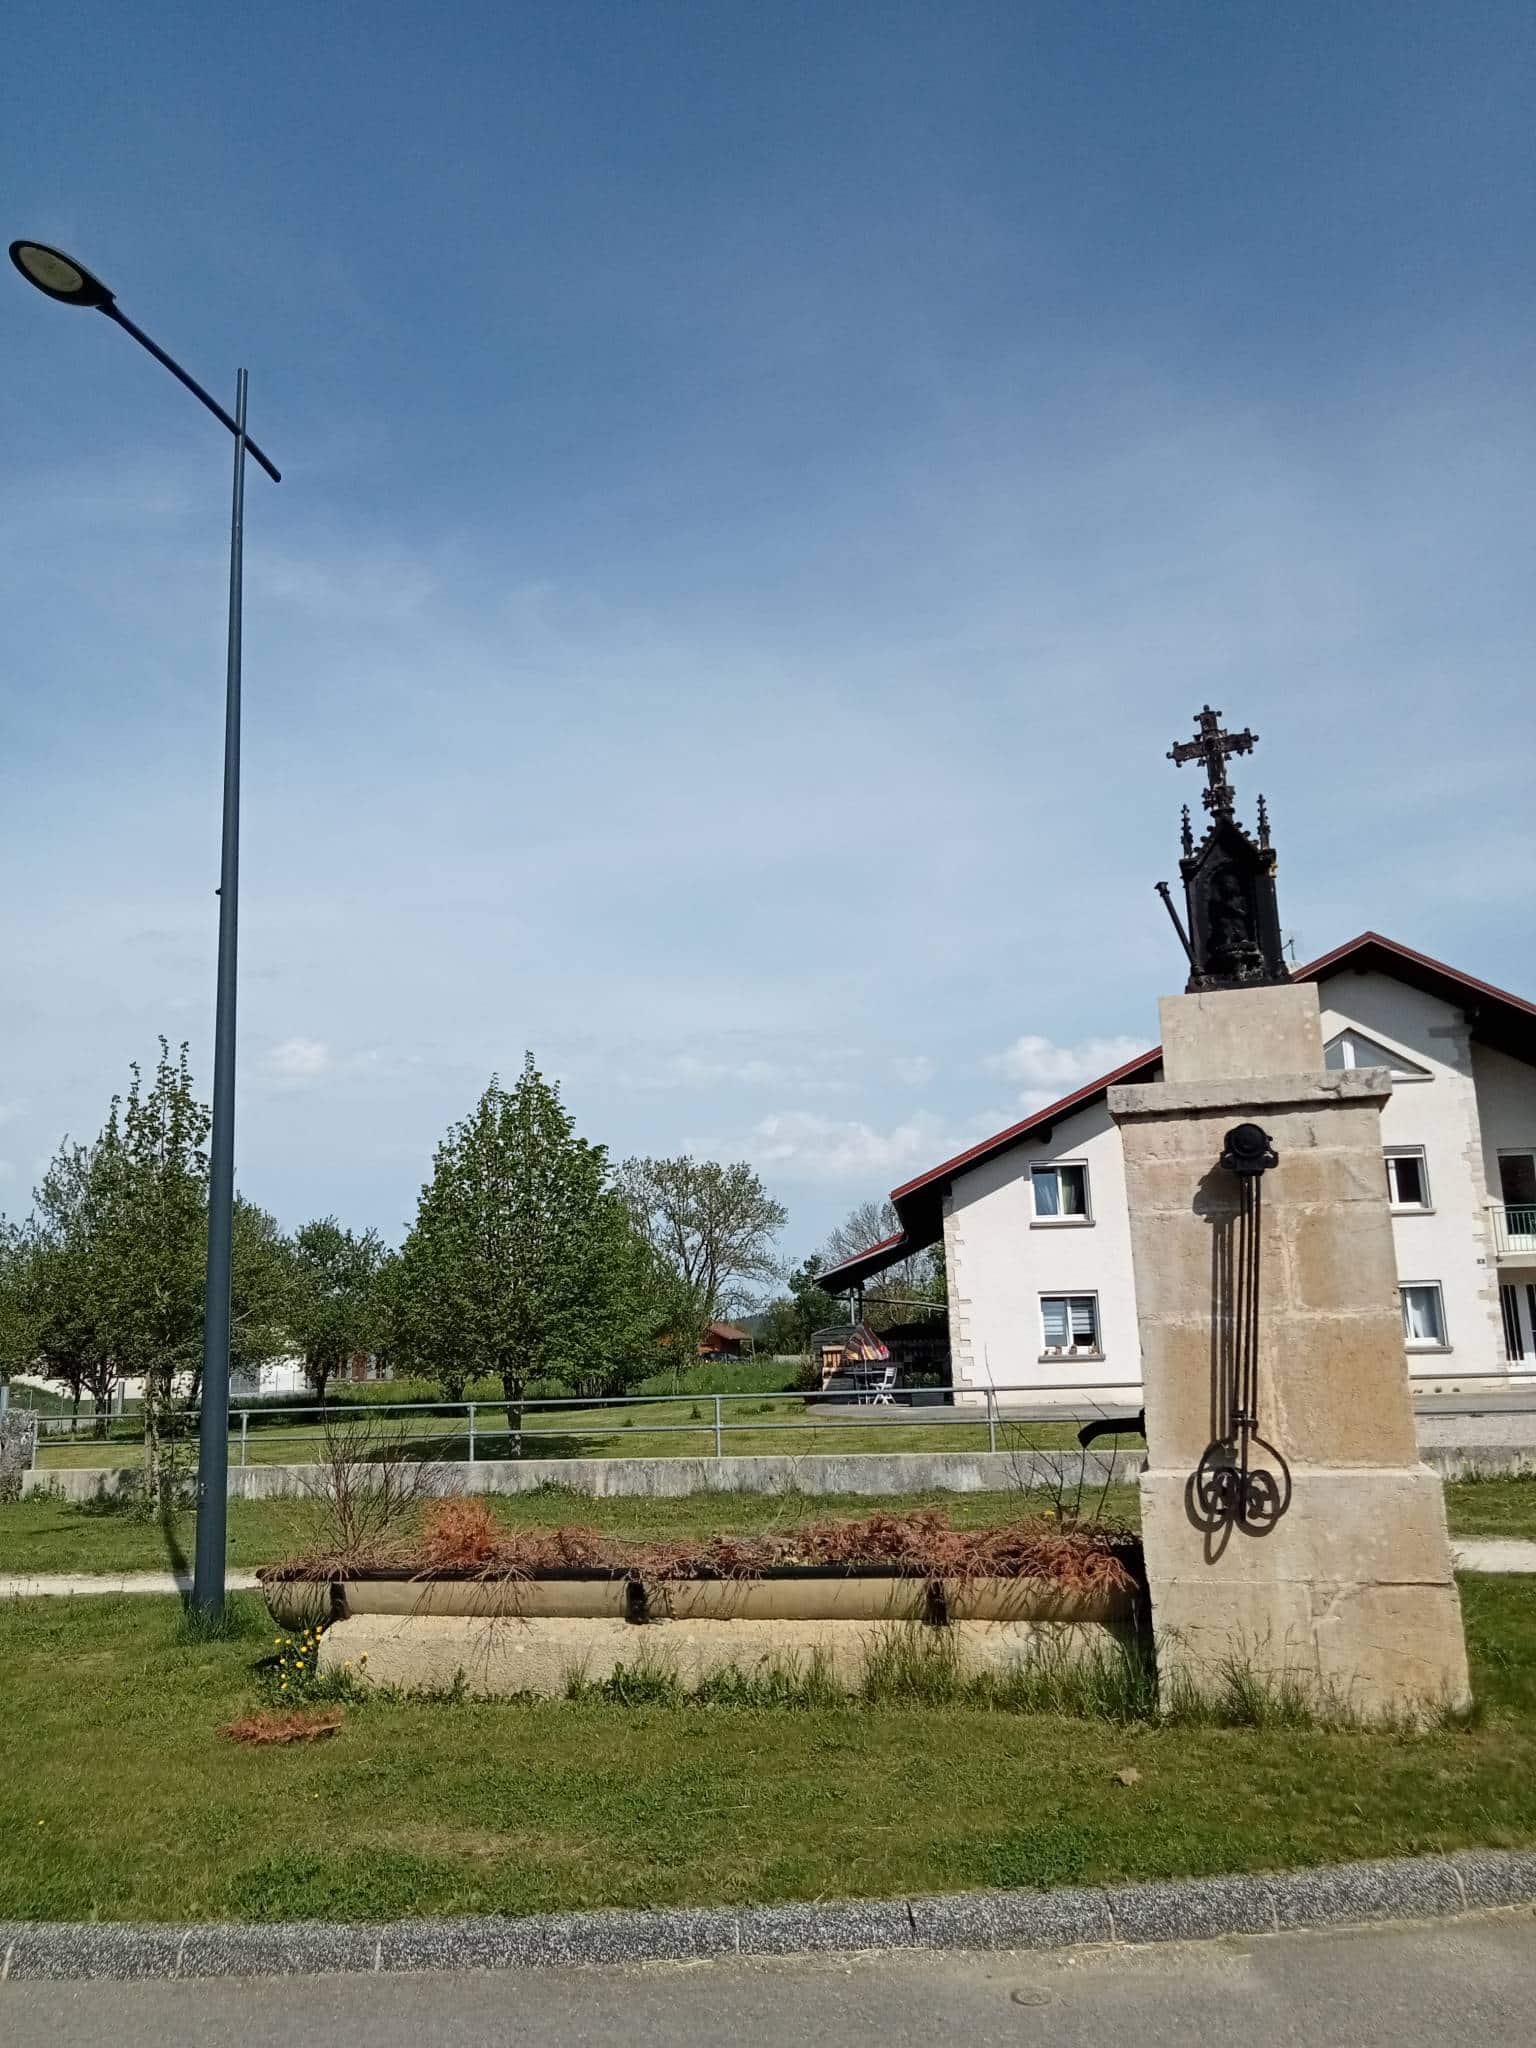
x=1042, y=1299
x=287, y=1376
x=723, y=1340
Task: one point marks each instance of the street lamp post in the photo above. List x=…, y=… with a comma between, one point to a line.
x=62, y=278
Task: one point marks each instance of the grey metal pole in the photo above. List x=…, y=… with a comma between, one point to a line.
x=213, y=1416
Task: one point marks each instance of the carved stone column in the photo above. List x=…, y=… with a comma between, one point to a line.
x=1347, y=1591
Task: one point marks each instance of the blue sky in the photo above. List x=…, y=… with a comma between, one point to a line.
x=764, y=486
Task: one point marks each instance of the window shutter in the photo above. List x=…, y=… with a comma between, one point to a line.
x=1053, y=1315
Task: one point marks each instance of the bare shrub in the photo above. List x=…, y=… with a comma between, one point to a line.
x=1075, y=1483
x=463, y=1535
x=459, y=1533
x=370, y=1489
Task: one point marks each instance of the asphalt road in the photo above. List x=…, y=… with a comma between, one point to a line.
x=1416, y=1985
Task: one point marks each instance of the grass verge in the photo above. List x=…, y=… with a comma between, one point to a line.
x=41, y=1534
x=119, y=1798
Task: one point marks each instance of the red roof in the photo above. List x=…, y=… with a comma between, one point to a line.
x=1499, y=1019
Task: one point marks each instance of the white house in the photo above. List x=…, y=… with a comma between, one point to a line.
x=1037, y=1241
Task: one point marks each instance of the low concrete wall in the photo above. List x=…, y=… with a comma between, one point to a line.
x=871, y=1474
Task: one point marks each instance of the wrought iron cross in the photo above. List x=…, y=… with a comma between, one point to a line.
x=1212, y=746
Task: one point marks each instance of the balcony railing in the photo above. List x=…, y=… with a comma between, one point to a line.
x=1514, y=1230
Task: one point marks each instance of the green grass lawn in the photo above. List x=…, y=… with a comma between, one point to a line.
x=681, y=1428
x=1493, y=1507
x=119, y=1799
x=44, y=1535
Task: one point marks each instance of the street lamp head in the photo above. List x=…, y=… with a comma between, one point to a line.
x=60, y=276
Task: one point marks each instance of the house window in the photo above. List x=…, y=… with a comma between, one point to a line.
x=1423, y=1316
x=1070, y=1323
x=1517, y=1179
x=1353, y=1049
x=1407, y=1178
x=1061, y=1194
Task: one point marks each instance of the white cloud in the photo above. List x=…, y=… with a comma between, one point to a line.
x=386, y=584
x=1048, y=1071
x=815, y=1073
x=913, y=1068
x=797, y=1141
x=299, y=1059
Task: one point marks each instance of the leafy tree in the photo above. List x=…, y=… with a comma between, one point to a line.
x=814, y=1308
x=521, y=1262
x=150, y=1250
x=333, y=1308
x=116, y=1255
x=712, y=1228
x=624, y=1325
x=60, y=1281
x=261, y=1289
x=18, y=1345
x=776, y=1327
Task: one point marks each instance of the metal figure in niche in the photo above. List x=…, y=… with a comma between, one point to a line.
x=1241, y=1481
x=1233, y=936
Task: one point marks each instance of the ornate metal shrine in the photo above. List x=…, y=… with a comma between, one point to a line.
x=1233, y=933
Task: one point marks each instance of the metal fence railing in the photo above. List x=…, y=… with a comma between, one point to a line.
x=477, y=1430
x=712, y=1425
x=1514, y=1229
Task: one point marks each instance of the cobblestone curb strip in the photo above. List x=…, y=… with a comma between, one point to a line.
x=1194, y=1909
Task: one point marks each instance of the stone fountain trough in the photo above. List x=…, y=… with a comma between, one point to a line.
x=509, y=1632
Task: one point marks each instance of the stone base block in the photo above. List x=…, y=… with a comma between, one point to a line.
x=1233, y=1034
x=500, y=1657
x=1349, y=1598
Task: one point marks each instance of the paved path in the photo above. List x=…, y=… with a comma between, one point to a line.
x=35, y=1585
x=1414, y=1985
x=1493, y=1554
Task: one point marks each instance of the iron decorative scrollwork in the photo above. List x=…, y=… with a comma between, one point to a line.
x=1241, y=1481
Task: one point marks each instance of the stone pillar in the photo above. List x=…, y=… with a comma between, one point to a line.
x=1349, y=1594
